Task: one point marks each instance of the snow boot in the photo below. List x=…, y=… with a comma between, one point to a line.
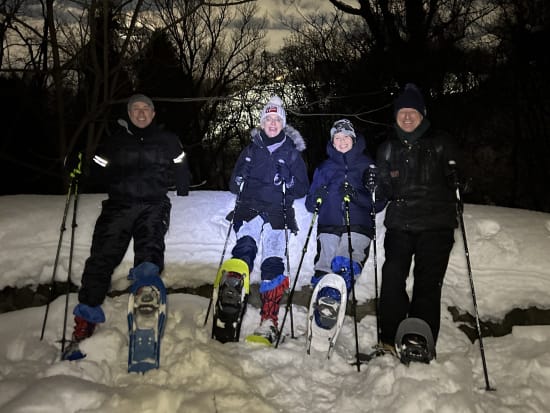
x=271, y=300
x=268, y=330
x=82, y=329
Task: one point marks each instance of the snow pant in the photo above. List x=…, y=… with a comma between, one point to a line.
x=145, y=222
x=333, y=245
x=431, y=250
x=274, y=281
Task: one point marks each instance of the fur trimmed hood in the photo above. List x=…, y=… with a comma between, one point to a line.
x=290, y=132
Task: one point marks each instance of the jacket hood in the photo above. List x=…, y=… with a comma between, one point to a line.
x=357, y=149
x=290, y=132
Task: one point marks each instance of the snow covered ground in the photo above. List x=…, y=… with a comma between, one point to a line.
x=509, y=251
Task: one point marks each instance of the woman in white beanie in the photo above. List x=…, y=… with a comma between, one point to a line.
x=269, y=175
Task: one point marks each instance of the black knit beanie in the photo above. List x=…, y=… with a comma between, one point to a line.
x=410, y=97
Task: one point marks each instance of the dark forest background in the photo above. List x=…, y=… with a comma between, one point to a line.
x=67, y=67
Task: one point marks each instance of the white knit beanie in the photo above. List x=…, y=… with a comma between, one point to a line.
x=275, y=105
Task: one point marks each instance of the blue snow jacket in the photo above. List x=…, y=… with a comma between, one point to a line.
x=332, y=173
x=262, y=192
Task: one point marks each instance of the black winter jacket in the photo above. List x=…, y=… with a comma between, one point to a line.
x=262, y=194
x=416, y=178
x=142, y=164
x=332, y=173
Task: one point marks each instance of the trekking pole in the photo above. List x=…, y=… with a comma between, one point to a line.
x=347, y=200
x=56, y=260
x=74, y=176
x=304, y=250
x=287, y=255
x=460, y=215
x=237, y=200
x=372, y=189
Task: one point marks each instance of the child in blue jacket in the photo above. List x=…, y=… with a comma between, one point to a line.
x=340, y=176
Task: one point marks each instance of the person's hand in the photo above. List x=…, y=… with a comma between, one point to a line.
x=369, y=178
x=320, y=194
x=244, y=172
x=283, y=175
x=347, y=191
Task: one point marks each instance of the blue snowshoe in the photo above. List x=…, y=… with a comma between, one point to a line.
x=146, y=320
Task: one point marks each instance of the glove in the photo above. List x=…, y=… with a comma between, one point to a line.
x=347, y=191
x=321, y=193
x=239, y=179
x=73, y=164
x=283, y=175
x=369, y=179
x=244, y=171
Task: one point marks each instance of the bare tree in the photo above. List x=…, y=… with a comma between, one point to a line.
x=218, y=47
x=416, y=39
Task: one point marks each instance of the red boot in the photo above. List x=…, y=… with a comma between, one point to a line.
x=82, y=329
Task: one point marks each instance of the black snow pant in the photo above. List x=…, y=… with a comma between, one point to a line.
x=145, y=222
x=431, y=250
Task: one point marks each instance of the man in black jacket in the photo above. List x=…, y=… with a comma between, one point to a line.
x=414, y=174
x=138, y=165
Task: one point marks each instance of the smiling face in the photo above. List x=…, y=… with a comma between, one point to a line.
x=342, y=142
x=141, y=114
x=408, y=119
x=272, y=125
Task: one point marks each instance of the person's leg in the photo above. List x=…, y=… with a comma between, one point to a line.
x=394, y=301
x=340, y=263
x=274, y=281
x=112, y=234
x=430, y=264
x=149, y=233
x=326, y=250
x=248, y=234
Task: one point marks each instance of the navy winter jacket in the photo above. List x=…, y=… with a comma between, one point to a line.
x=263, y=194
x=332, y=173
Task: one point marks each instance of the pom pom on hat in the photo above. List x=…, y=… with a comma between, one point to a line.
x=343, y=126
x=140, y=98
x=274, y=106
x=410, y=97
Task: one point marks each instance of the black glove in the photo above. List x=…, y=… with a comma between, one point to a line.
x=369, y=179
x=321, y=193
x=283, y=175
x=244, y=171
x=74, y=164
x=347, y=191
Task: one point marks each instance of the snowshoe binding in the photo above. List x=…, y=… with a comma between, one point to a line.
x=232, y=286
x=414, y=341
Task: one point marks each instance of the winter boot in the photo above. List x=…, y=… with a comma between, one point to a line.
x=317, y=277
x=341, y=265
x=271, y=298
x=82, y=329
x=268, y=330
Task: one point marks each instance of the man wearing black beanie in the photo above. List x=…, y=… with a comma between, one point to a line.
x=414, y=165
